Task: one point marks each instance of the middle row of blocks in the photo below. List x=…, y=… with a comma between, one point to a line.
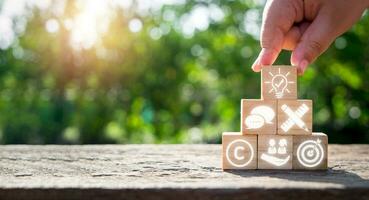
x=270, y=117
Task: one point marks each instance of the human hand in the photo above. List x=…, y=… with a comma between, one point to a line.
x=305, y=27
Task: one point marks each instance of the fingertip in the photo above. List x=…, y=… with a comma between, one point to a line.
x=256, y=69
x=298, y=60
x=302, y=67
x=296, y=56
x=256, y=66
x=299, y=72
x=266, y=57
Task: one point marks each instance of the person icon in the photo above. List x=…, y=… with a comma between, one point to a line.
x=282, y=146
x=272, y=149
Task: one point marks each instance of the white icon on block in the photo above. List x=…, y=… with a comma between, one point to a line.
x=239, y=147
x=279, y=83
x=294, y=117
x=310, y=153
x=276, y=149
x=259, y=116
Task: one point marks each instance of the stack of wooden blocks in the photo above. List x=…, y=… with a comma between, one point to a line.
x=276, y=131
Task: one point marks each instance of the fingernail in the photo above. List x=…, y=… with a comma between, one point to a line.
x=255, y=65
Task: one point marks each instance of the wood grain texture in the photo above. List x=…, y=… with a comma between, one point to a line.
x=312, y=150
x=294, y=105
x=239, y=151
x=170, y=172
x=275, y=144
x=247, y=106
x=280, y=79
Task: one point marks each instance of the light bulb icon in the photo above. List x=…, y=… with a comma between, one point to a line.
x=279, y=83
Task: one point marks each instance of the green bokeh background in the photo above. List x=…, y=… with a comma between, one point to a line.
x=170, y=82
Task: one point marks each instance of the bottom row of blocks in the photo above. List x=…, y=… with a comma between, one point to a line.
x=308, y=152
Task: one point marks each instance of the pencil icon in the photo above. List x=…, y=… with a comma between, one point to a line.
x=295, y=117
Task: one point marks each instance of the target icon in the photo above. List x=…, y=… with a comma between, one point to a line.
x=310, y=153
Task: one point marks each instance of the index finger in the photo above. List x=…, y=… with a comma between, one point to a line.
x=278, y=18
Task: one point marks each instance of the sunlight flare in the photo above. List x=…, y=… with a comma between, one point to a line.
x=89, y=24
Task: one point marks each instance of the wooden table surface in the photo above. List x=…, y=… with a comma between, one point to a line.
x=170, y=172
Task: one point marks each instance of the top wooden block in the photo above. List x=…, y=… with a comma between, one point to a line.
x=279, y=82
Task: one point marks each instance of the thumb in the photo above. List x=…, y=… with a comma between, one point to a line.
x=315, y=40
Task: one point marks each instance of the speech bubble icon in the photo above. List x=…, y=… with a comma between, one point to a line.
x=254, y=121
x=266, y=112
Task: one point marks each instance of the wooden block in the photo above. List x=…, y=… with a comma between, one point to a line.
x=239, y=151
x=258, y=116
x=279, y=82
x=274, y=152
x=310, y=152
x=295, y=117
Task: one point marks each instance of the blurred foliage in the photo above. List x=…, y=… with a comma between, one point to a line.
x=169, y=73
